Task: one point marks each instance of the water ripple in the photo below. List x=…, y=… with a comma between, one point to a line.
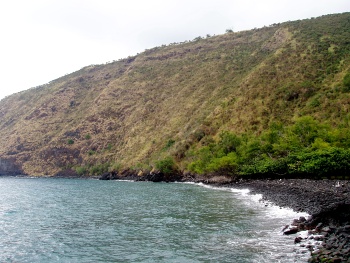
x=59, y=220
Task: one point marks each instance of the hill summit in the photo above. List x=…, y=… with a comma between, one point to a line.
x=175, y=105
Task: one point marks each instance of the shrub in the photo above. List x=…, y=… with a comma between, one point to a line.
x=266, y=166
x=202, y=158
x=99, y=169
x=322, y=162
x=114, y=167
x=229, y=142
x=305, y=148
x=82, y=170
x=169, y=144
x=315, y=103
x=227, y=164
x=166, y=166
x=306, y=130
x=197, y=38
x=70, y=141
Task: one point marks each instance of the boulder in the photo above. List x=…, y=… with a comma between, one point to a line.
x=290, y=230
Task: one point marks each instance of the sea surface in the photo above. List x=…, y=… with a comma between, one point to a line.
x=74, y=220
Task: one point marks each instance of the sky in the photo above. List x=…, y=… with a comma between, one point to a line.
x=42, y=40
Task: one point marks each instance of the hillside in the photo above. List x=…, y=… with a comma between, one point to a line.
x=172, y=100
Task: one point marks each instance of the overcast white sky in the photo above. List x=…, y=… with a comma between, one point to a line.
x=42, y=40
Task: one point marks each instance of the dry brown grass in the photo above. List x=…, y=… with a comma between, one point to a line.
x=131, y=108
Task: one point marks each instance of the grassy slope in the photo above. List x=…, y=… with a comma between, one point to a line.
x=161, y=102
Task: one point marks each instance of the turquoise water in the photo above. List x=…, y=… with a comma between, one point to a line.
x=71, y=220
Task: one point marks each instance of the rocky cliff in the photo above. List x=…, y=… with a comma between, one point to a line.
x=9, y=167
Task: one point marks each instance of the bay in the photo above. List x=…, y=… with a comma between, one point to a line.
x=74, y=220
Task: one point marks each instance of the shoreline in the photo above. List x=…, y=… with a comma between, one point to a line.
x=327, y=202
x=325, y=233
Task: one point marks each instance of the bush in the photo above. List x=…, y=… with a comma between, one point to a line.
x=99, y=169
x=229, y=142
x=70, y=141
x=227, y=164
x=306, y=148
x=322, y=162
x=202, y=158
x=166, y=166
x=169, y=144
x=82, y=170
x=319, y=163
x=267, y=167
x=306, y=129
x=315, y=103
x=115, y=167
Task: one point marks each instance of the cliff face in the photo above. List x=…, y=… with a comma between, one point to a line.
x=9, y=167
x=132, y=112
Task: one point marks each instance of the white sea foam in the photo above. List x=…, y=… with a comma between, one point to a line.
x=271, y=220
x=271, y=210
x=241, y=191
x=268, y=233
x=125, y=181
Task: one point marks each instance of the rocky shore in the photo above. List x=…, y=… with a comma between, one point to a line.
x=327, y=201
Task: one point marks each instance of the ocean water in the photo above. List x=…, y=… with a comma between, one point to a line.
x=72, y=220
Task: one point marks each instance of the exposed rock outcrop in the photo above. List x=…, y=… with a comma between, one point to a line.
x=9, y=167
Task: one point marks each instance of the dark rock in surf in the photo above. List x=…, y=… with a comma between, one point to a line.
x=290, y=230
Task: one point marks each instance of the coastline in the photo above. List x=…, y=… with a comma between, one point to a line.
x=325, y=233
x=328, y=203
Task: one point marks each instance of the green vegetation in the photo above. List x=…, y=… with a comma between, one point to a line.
x=81, y=170
x=114, y=167
x=97, y=169
x=307, y=148
x=272, y=101
x=169, y=143
x=166, y=166
x=91, y=152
